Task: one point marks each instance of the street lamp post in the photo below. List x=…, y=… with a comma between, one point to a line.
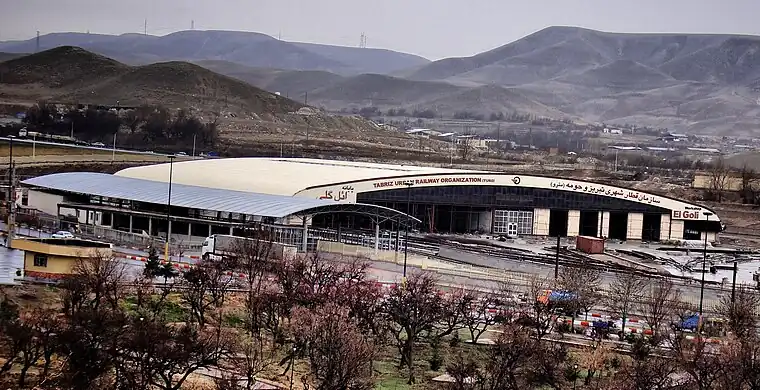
x=169, y=210
x=408, y=185
x=707, y=215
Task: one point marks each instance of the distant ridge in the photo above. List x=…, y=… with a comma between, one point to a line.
x=245, y=48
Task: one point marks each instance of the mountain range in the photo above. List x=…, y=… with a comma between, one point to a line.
x=702, y=83
x=246, y=48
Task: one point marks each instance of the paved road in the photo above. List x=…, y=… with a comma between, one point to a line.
x=388, y=272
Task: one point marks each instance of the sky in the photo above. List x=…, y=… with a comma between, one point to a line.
x=431, y=28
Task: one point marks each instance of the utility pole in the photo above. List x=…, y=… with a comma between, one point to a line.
x=12, y=209
x=37, y=48
x=192, y=25
x=145, y=27
x=733, y=285
x=556, y=261
x=169, y=210
x=306, y=98
x=11, y=194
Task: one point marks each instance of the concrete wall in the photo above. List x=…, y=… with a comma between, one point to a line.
x=711, y=236
x=603, y=229
x=47, y=203
x=541, y=222
x=485, y=221
x=573, y=223
x=676, y=230
x=60, y=265
x=665, y=227
x=635, y=225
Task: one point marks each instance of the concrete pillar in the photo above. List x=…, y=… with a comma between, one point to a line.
x=604, y=224
x=209, y=230
x=541, y=222
x=189, y=231
x=573, y=223
x=711, y=236
x=130, y=222
x=676, y=229
x=635, y=226
x=169, y=231
x=665, y=227
x=485, y=221
x=377, y=237
x=231, y=231
x=305, y=238
x=150, y=225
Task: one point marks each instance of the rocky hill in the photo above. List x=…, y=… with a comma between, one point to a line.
x=245, y=48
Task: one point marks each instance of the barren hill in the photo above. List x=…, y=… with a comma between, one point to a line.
x=62, y=67
x=179, y=84
x=70, y=74
x=246, y=48
x=379, y=90
x=290, y=83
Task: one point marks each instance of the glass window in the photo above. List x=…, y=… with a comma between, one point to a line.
x=40, y=260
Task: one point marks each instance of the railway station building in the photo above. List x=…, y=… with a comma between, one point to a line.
x=439, y=200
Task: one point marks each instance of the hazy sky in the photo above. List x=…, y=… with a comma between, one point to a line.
x=431, y=28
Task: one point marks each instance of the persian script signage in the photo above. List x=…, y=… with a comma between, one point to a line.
x=606, y=191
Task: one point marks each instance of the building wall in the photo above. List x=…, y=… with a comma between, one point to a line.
x=61, y=265
x=665, y=227
x=485, y=221
x=604, y=224
x=573, y=223
x=676, y=230
x=47, y=203
x=635, y=225
x=541, y=222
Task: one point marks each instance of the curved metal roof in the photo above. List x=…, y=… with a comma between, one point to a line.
x=148, y=191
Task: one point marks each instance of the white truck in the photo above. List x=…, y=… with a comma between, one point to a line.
x=218, y=245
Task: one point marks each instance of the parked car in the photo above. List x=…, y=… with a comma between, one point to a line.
x=62, y=234
x=181, y=154
x=98, y=144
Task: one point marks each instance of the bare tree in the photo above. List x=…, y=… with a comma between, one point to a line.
x=93, y=320
x=659, y=303
x=742, y=313
x=479, y=311
x=583, y=282
x=719, y=179
x=694, y=358
x=624, y=291
x=464, y=370
x=508, y=362
x=412, y=309
x=465, y=147
x=339, y=354
x=206, y=287
x=748, y=184
x=645, y=370
x=541, y=317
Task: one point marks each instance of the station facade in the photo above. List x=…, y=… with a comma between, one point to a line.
x=457, y=201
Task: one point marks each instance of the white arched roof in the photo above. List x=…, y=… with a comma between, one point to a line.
x=276, y=176
x=341, y=181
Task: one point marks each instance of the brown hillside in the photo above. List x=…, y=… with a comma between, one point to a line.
x=72, y=74
x=181, y=84
x=62, y=67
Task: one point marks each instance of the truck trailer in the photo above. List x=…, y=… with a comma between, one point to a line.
x=224, y=245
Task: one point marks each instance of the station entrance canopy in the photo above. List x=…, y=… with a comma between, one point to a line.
x=203, y=198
